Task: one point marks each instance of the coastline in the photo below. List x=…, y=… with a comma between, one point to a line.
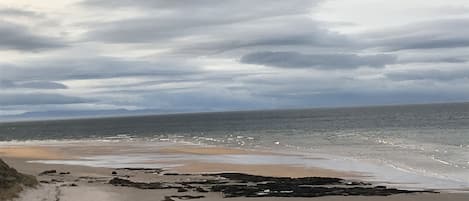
x=31, y=159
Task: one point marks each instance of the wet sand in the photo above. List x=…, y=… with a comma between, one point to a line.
x=73, y=151
x=92, y=182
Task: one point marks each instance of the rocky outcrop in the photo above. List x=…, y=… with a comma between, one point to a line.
x=141, y=185
x=245, y=185
x=12, y=182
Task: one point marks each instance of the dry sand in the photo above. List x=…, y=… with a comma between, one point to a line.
x=17, y=157
x=32, y=152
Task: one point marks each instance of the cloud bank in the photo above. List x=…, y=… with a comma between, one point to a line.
x=188, y=56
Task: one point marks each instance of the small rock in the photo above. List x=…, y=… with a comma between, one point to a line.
x=167, y=198
x=48, y=172
x=69, y=185
x=183, y=197
x=141, y=185
x=201, y=190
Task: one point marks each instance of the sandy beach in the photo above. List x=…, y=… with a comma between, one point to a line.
x=81, y=182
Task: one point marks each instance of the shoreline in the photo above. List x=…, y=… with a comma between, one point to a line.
x=191, y=158
x=32, y=159
x=74, y=183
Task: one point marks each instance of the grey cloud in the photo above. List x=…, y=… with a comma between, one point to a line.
x=321, y=61
x=424, y=35
x=32, y=84
x=20, y=38
x=220, y=35
x=431, y=74
x=311, y=38
x=429, y=43
x=210, y=7
x=39, y=99
x=92, y=68
x=177, y=22
x=433, y=60
x=14, y=12
x=188, y=26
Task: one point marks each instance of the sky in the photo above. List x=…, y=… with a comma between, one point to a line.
x=67, y=58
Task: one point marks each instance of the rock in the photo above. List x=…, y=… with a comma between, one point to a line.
x=141, y=185
x=167, y=198
x=64, y=173
x=176, y=174
x=47, y=172
x=244, y=185
x=114, y=173
x=259, y=186
x=69, y=185
x=145, y=170
x=245, y=178
x=56, y=181
x=182, y=197
x=12, y=182
x=201, y=190
x=171, y=174
x=202, y=182
x=188, y=197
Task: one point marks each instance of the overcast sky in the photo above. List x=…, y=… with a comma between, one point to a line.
x=95, y=56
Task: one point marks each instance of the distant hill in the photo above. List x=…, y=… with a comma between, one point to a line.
x=67, y=114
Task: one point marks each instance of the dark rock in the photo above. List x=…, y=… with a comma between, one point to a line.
x=244, y=185
x=201, y=190
x=69, y=185
x=56, y=181
x=114, y=173
x=171, y=174
x=245, y=178
x=203, y=182
x=47, y=172
x=183, y=197
x=356, y=183
x=64, y=173
x=167, y=198
x=141, y=185
x=146, y=170
x=189, y=197
x=176, y=174
x=294, y=189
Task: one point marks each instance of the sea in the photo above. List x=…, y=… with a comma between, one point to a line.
x=421, y=146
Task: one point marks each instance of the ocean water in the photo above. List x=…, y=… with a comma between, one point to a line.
x=423, y=144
